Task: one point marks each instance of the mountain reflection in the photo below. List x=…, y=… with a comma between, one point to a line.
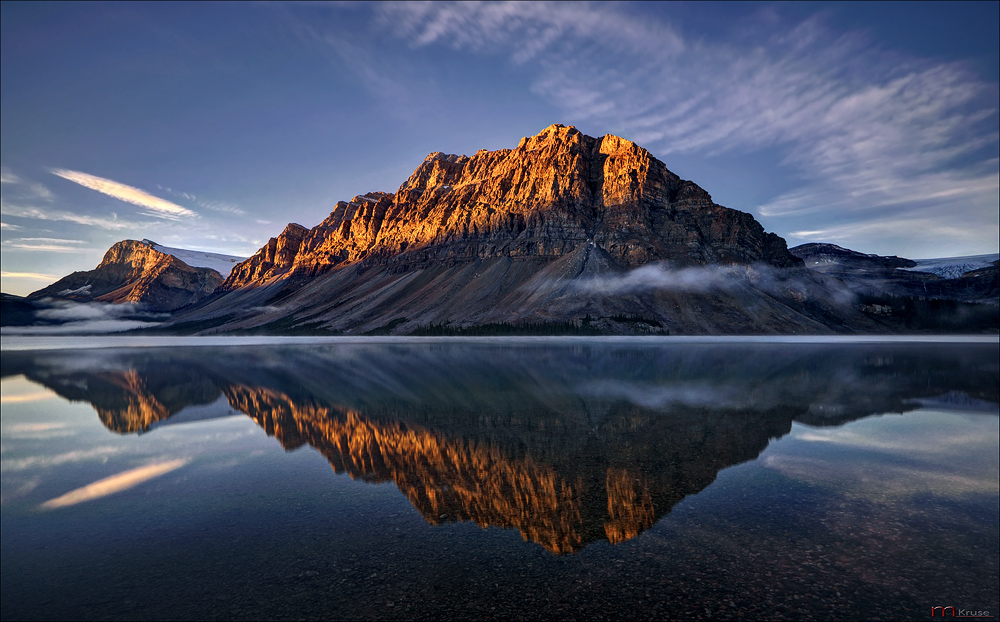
x=570, y=444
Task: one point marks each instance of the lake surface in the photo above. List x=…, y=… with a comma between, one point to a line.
x=507, y=478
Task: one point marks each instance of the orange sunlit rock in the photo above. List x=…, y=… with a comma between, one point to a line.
x=542, y=200
x=445, y=479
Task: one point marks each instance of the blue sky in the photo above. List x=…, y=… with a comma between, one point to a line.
x=210, y=126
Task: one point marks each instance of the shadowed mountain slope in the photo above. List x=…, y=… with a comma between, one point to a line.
x=898, y=276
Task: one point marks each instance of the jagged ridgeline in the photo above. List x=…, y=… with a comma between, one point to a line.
x=544, y=236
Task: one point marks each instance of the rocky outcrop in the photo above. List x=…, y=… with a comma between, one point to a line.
x=553, y=194
x=135, y=272
x=274, y=259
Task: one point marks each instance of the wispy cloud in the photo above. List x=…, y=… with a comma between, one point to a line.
x=657, y=277
x=155, y=206
x=215, y=206
x=38, y=213
x=384, y=77
x=31, y=276
x=537, y=28
x=8, y=177
x=961, y=228
x=27, y=189
x=50, y=245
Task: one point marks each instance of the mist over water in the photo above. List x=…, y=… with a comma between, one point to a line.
x=67, y=317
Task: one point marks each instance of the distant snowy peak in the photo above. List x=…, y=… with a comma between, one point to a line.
x=223, y=264
x=954, y=267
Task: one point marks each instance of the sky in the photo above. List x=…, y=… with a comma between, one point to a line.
x=874, y=126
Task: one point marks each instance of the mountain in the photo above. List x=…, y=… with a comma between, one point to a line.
x=968, y=279
x=137, y=272
x=555, y=192
x=564, y=230
x=843, y=262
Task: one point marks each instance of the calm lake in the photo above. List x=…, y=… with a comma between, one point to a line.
x=499, y=478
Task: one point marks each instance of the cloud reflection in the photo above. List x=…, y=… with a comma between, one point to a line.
x=32, y=462
x=27, y=397
x=896, y=456
x=113, y=484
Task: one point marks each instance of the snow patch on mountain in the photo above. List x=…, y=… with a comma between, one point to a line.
x=223, y=264
x=80, y=291
x=953, y=267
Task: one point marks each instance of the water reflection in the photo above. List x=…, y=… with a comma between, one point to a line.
x=568, y=444
x=113, y=484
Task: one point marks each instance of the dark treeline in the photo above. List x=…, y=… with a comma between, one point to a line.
x=931, y=314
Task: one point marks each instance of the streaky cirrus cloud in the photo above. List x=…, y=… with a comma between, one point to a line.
x=216, y=206
x=538, y=27
x=155, y=206
x=891, y=228
x=42, y=213
x=31, y=189
x=49, y=245
x=31, y=276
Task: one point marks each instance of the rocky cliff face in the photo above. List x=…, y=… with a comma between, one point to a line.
x=134, y=271
x=554, y=193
